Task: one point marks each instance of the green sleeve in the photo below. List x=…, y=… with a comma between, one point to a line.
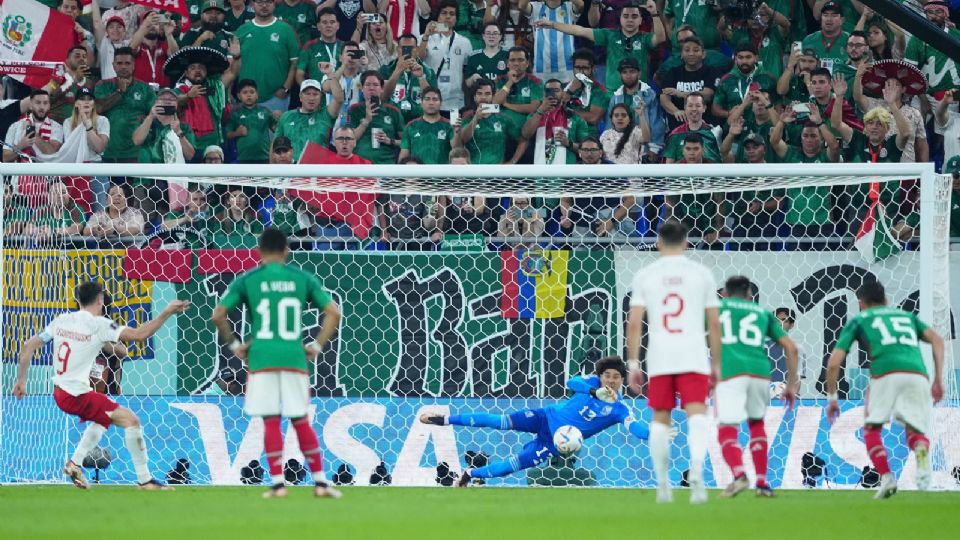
x=235, y=296
x=103, y=90
x=280, y=131
x=775, y=330
x=272, y=120
x=232, y=123
x=302, y=58
x=316, y=293
x=601, y=36
x=847, y=336
x=293, y=44
x=647, y=41
x=810, y=43
x=430, y=74
x=151, y=99
x=405, y=138
x=536, y=92
x=188, y=134
x=387, y=70
x=668, y=10
x=398, y=123
x=580, y=130
x=722, y=96
x=673, y=149
x=355, y=115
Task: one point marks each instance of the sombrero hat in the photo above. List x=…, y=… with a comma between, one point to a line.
x=215, y=61
x=913, y=81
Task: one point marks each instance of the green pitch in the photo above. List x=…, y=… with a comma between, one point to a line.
x=214, y=513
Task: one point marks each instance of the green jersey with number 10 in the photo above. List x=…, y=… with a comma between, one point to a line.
x=276, y=296
x=891, y=338
x=744, y=329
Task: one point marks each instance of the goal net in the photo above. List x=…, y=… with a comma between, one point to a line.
x=463, y=289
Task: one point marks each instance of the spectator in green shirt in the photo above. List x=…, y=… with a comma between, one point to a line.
x=555, y=130
x=406, y=78
x=123, y=101
x=794, y=81
x=300, y=15
x=484, y=132
x=518, y=92
x=237, y=14
x=311, y=122
x=193, y=220
x=830, y=43
x=238, y=226
x=61, y=216
x=768, y=31
x=430, y=136
x=588, y=99
x=270, y=49
x=378, y=126
x=745, y=77
x=250, y=124
x=211, y=32
x=488, y=62
x=628, y=40
x=326, y=49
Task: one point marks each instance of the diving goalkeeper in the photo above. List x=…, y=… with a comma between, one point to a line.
x=594, y=406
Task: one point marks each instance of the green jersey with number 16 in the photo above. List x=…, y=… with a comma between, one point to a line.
x=891, y=338
x=744, y=329
x=276, y=295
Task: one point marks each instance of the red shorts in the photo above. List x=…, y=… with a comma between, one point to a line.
x=92, y=406
x=663, y=389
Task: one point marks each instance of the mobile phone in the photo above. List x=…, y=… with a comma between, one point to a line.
x=754, y=87
x=168, y=110
x=583, y=78
x=374, y=101
x=406, y=50
x=527, y=213
x=490, y=107
x=798, y=46
x=30, y=130
x=441, y=27
x=356, y=54
x=551, y=92
x=370, y=18
x=801, y=108
x=454, y=116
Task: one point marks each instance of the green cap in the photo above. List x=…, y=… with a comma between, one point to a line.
x=212, y=4
x=952, y=165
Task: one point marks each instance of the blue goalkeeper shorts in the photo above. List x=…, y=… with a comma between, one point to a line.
x=541, y=448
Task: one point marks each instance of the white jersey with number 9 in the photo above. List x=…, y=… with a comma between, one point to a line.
x=77, y=339
x=675, y=292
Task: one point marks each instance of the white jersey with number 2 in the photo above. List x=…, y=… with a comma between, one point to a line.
x=675, y=292
x=77, y=339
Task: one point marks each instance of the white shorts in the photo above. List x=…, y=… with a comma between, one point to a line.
x=904, y=397
x=740, y=398
x=273, y=393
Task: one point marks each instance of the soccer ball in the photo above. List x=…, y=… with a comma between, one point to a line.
x=776, y=389
x=568, y=440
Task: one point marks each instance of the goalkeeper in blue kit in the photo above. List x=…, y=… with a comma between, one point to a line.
x=594, y=406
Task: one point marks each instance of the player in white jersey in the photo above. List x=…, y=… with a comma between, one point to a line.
x=679, y=298
x=78, y=337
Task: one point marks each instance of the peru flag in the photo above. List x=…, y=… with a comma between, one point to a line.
x=32, y=39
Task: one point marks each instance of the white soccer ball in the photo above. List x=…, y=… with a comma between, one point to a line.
x=776, y=389
x=568, y=440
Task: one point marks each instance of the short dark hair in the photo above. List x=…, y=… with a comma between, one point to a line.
x=121, y=51
x=411, y=160
x=517, y=48
x=858, y=33
x=691, y=95
x=610, y=362
x=447, y=4
x=273, y=240
x=371, y=73
x=821, y=71
x=692, y=39
x=673, y=232
x=244, y=83
x=693, y=138
x=350, y=44
x=432, y=90
x=75, y=47
x=321, y=11
x=88, y=292
x=486, y=82
x=592, y=139
x=39, y=92
x=790, y=314
x=738, y=287
x=872, y=293
x=584, y=53
x=408, y=35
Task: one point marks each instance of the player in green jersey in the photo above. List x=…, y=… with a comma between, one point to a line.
x=744, y=388
x=278, y=386
x=899, y=384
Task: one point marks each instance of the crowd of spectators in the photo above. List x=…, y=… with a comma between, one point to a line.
x=478, y=82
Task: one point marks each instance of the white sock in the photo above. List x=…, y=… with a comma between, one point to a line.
x=660, y=451
x=88, y=441
x=319, y=476
x=698, y=433
x=138, y=450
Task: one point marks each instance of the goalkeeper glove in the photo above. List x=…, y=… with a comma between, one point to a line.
x=605, y=394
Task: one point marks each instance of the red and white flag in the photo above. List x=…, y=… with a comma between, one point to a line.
x=173, y=6
x=32, y=41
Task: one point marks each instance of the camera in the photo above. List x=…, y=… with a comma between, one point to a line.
x=168, y=110
x=736, y=10
x=370, y=18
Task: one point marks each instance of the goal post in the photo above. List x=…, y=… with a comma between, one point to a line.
x=493, y=320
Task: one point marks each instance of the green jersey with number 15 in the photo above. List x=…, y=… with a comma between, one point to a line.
x=891, y=337
x=276, y=295
x=744, y=329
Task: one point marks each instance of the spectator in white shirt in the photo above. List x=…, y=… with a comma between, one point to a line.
x=446, y=52
x=36, y=133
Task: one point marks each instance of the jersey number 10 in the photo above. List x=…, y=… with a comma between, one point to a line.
x=287, y=311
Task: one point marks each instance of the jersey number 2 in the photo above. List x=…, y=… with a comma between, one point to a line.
x=288, y=319
x=63, y=356
x=673, y=307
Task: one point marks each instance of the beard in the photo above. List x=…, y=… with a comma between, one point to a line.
x=214, y=27
x=746, y=68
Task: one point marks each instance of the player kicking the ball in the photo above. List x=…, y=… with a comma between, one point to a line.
x=679, y=298
x=594, y=406
x=899, y=386
x=278, y=386
x=78, y=337
x=744, y=388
